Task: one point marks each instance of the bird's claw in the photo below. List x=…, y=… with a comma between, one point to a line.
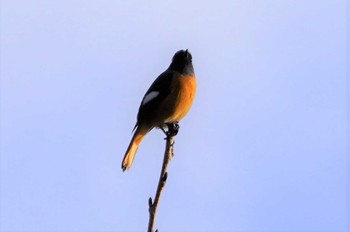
x=173, y=129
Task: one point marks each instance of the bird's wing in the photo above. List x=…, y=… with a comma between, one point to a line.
x=155, y=95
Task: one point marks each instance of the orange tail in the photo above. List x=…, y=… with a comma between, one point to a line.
x=130, y=153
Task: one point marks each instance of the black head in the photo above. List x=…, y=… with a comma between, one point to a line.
x=182, y=62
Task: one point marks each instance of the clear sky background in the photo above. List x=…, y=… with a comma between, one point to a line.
x=264, y=147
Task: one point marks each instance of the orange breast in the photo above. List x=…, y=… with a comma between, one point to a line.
x=186, y=86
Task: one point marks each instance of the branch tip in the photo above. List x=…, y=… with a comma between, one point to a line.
x=150, y=202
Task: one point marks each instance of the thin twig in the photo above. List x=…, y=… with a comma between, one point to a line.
x=168, y=154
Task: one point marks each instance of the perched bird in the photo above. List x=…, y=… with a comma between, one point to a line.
x=167, y=101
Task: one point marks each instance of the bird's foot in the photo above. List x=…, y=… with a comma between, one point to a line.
x=173, y=129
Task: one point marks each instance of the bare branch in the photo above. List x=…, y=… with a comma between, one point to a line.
x=168, y=154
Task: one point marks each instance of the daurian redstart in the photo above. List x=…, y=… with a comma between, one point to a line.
x=167, y=101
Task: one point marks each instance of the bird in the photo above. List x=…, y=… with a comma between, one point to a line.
x=166, y=102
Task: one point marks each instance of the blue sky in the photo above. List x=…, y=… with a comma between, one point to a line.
x=263, y=148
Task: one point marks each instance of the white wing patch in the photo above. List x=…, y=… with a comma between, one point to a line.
x=149, y=97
